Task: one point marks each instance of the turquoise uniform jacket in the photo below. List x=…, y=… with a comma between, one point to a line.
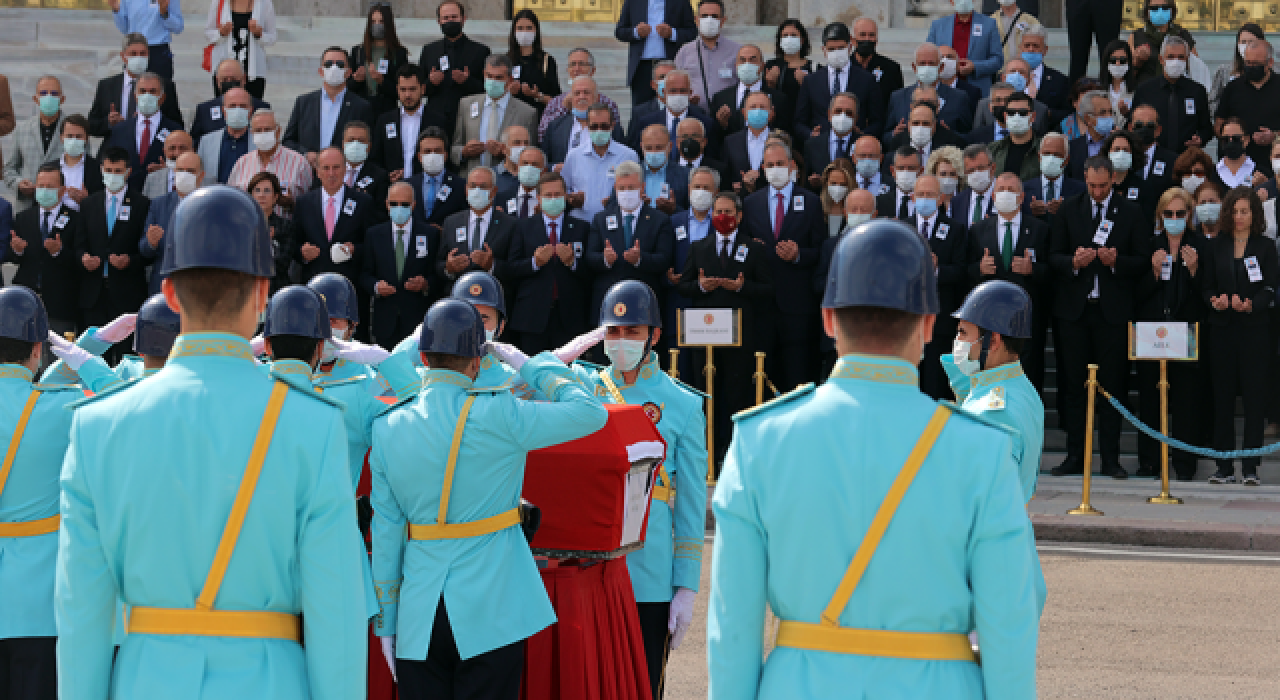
x=30, y=493
x=147, y=487
x=359, y=394
x=493, y=372
x=1004, y=395
x=803, y=479
x=672, y=554
x=97, y=377
x=489, y=583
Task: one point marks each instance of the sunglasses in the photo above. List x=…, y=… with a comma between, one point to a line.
x=1119, y=61
x=1175, y=213
x=1145, y=125
x=1017, y=112
x=401, y=204
x=330, y=64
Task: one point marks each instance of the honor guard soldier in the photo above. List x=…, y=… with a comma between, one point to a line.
x=344, y=315
x=154, y=329
x=986, y=374
x=34, y=424
x=158, y=503
x=877, y=575
x=461, y=595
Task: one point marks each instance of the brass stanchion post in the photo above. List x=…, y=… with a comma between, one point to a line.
x=709, y=371
x=759, y=377
x=674, y=369
x=1165, y=498
x=1091, y=387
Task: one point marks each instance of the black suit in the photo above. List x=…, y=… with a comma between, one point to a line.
x=947, y=241
x=815, y=97
x=371, y=180
x=303, y=132
x=456, y=236
x=108, y=95
x=551, y=302
x=709, y=126
x=458, y=54
x=1184, y=98
x=684, y=28
x=1093, y=331
x=121, y=290
x=396, y=315
x=817, y=151
x=56, y=278
x=889, y=206
x=657, y=241
x=209, y=117
x=1077, y=154
x=942, y=136
x=1052, y=93
x=354, y=216
x=728, y=97
x=445, y=203
x=387, y=149
x=125, y=135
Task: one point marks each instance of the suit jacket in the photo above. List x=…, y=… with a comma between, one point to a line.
x=679, y=254
x=354, y=218
x=709, y=125
x=748, y=258
x=1034, y=187
x=728, y=97
x=1181, y=297
x=652, y=229
x=963, y=200
x=982, y=134
x=498, y=234
x=1073, y=228
x=128, y=287
x=815, y=97
x=1220, y=277
x=1053, y=93
x=467, y=126
x=1077, y=154
x=956, y=109
x=1192, y=102
x=983, y=117
x=531, y=310
x=556, y=144
x=158, y=214
x=125, y=136
x=385, y=96
x=1152, y=181
x=647, y=107
x=156, y=185
x=985, y=48
x=887, y=204
x=303, y=132
x=92, y=174
x=209, y=148
x=379, y=265
x=209, y=118
x=108, y=94
x=508, y=200
x=817, y=151
x=947, y=241
x=27, y=155
x=463, y=52
x=1033, y=234
x=679, y=16
x=942, y=136
x=387, y=149
x=807, y=226
x=55, y=277
x=446, y=202
x=373, y=181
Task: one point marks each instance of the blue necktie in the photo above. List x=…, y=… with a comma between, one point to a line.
x=626, y=229
x=430, y=204
x=111, y=224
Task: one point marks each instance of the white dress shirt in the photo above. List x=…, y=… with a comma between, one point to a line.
x=755, y=146
x=1017, y=226
x=744, y=90
x=153, y=121
x=409, y=123
x=72, y=176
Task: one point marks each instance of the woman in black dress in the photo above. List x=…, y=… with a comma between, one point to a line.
x=265, y=189
x=532, y=68
x=788, y=68
x=375, y=61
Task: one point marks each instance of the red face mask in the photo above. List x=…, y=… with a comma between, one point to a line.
x=724, y=223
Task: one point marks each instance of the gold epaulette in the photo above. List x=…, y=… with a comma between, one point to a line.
x=802, y=390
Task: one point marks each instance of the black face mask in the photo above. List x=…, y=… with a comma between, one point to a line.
x=1233, y=148
x=227, y=85
x=1255, y=74
x=1146, y=133
x=378, y=30
x=690, y=149
x=452, y=30
x=866, y=48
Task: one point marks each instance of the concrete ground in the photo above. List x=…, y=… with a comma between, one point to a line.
x=1122, y=623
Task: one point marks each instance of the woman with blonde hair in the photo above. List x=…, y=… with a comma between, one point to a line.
x=837, y=181
x=947, y=164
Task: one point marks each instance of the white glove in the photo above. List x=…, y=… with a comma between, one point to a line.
x=339, y=253
x=509, y=354
x=570, y=351
x=73, y=355
x=355, y=351
x=118, y=329
x=681, y=616
x=389, y=653
x=258, y=346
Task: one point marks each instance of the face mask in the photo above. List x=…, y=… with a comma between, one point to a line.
x=905, y=179
x=964, y=6
x=171, y=164
x=184, y=182
x=237, y=117
x=1104, y=125
x=960, y=355
x=1175, y=227
x=73, y=147
x=655, y=159
x=748, y=73
x=1121, y=160
x=838, y=58
x=778, y=177
x=495, y=89
x=50, y=104
x=792, y=44
x=980, y=180
x=46, y=197
x=629, y=200
x=948, y=69
x=378, y=30
x=355, y=151
x=1018, y=125
x=1191, y=183
x=709, y=27
x=148, y=104
x=1161, y=16
x=477, y=198
x=513, y=153
x=1275, y=165
x=700, y=200
x=841, y=123
x=136, y=65
x=1118, y=72
x=113, y=181
x=921, y=136
x=724, y=224
x=335, y=75
x=579, y=114
x=400, y=215
x=866, y=48
x=837, y=192
x=757, y=118
x=1006, y=202
x=677, y=103
x=926, y=207
x=1007, y=3
x=868, y=167
x=1255, y=74
x=600, y=138
x=529, y=175
x=1146, y=134
x=553, y=206
x=1208, y=212
x=328, y=352
x=1051, y=165
x=690, y=149
x=451, y=30
x=526, y=38
x=264, y=141
x=1033, y=59
x=1175, y=68
x=949, y=185
x=1017, y=80
x=489, y=335
x=927, y=75
x=1231, y=148
x=857, y=219
x=624, y=354
x=432, y=163
x=662, y=89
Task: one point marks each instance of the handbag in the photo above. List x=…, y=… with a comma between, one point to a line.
x=207, y=61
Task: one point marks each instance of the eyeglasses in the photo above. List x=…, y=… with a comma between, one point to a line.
x=600, y=127
x=1017, y=112
x=1235, y=139
x=1145, y=125
x=330, y=64
x=49, y=93
x=400, y=204
x=1119, y=61
x=1175, y=213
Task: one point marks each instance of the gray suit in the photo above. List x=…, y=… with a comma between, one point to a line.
x=28, y=154
x=210, y=151
x=303, y=132
x=468, y=126
x=157, y=184
x=983, y=117
x=159, y=214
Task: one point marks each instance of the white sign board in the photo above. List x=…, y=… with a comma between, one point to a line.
x=709, y=327
x=1160, y=340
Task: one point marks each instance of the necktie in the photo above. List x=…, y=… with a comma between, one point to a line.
x=1097, y=215
x=44, y=225
x=975, y=213
x=903, y=213
x=431, y=195
x=924, y=229
x=835, y=82
x=1175, y=137
x=1049, y=197
x=724, y=254
x=779, y=213
x=839, y=147
x=524, y=206
x=555, y=240
x=477, y=234
x=1006, y=252
x=144, y=144
x=399, y=253
x=133, y=97
x=111, y=214
x=627, y=231
x=351, y=178
x=330, y=217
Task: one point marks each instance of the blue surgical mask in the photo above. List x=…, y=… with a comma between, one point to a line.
x=600, y=138
x=46, y=197
x=868, y=167
x=662, y=85
x=495, y=89
x=625, y=354
x=1105, y=125
x=757, y=118
x=655, y=159
x=1161, y=17
x=148, y=104
x=553, y=206
x=748, y=73
x=926, y=207
x=400, y=215
x=1033, y=59
x=478, y=198
x=1018, y=82
x=1175, y=227
x=50, y=104
x=579, y=114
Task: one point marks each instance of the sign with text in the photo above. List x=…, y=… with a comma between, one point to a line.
x=1163, y=340
x=702, y=327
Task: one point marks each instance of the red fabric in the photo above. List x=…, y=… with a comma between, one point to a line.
x=595, y=651
x=381, y=687
x=365, y=486
x=144, y=144
x=960, y=32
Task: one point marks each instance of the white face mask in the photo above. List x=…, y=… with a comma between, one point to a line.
x=526, y=38
x=700, y=200
x=927, y=75
x=1176, y=68
x=905, y=179
x=1051, y=165
x=335, y=76
x=513, y=153
x=264, y=141
x=1017, y=124
x=629, y=200
x=793, y=44
x=948, y=70
x=677, y=103
x=856, y=219
x=1006, y=202
x=921, y=136
x=838, y=58
x=113, y=181
x=960, y=355
x=184, y=182
x=1117, y=71
x=137, y=65
x=778, y=177
x=73, y=147
x=625, y=354
x=841, y=123
x=433, y=163
x=709, y=27
x=171, y=164
x=1275, y=165
x=980, y=180
x=949, y=185
x=837, y=192
x=1191, y=183
x=477, y=198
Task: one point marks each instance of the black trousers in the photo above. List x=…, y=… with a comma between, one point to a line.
x=790, y=355
x=1184, y=423
x=1091, y=340
x=734, y=388
x=933, y=379
x=641, y=91
x=553, y=336
x=1241, y=356
x=653, y=629
x=1085, y=19
x=491, y=675
x=28, y=668
x=1032, y=355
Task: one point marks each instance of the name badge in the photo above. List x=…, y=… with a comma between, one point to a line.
x=444, y=63
x=1103, y=232
x=797, y=203
x=666, y=191
x=123, y=215
x=511, y=205
x=1033, y=253
x=1191, y=106
x=421, y=243
x=460, y=235
x=443, y=193
x=391, y=131
x=475, y=109
x=577, y=138
x=610, y=172
x=162, y=135
x=349, y=208
x=515, y=72
x=681, y=233
x=941, y=233
x=1157, y=168
x=725, y=73
x=878, y=73
x=383, y=66
x=215, y=113
x=577, y=249
x=741, y=254
x=1133, y=193
x=1251, y=266
x=61, y=222
x=1022, y=26
x=977, y=30
x=883, y=189
x=1166, y=269
x=611, y=222
x=363, y=183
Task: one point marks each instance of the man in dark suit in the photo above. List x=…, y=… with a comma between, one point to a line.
x=81, y=168
x=319, y=117
x=666, y=183
x=1181, y=104
x=791, y=223
x=209, y=116
x=1014, y=246
x=42, y=244
x=726, y=105
x=398, y=267
x=947, y=76
x=395, y=138
x=689, y=226
x=744, y=150
x=885, y=70
x=1099, y=118
x=677, y=90
x=1157, y=161
x=112, y=271
x=897, y=202
x=479, y=237
x=924, y=133
x=115, y=99
x=363, y=175
x=629, y=238
x=1097, y=249
x=652, y=36
x=690, y=147
x=834, y=141
x=652, y=105
x=1046, y=85
x=521, y=200
x=953, y=104
x=817, y=89
x=946, y=240
x=143, y=136
x=452, y=67
x=546, y=259
x=729, y=269
x=439, y=191
x=1043, y=195
x=973, y=203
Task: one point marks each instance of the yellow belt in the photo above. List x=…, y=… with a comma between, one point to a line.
x=457, y=531
x=31, y=528
x=925, y=646
x=216, y=623
x=664, y=490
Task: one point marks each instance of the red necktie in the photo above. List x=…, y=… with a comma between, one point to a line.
x=145, y=144
x=778, y=215
x=555, y=292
